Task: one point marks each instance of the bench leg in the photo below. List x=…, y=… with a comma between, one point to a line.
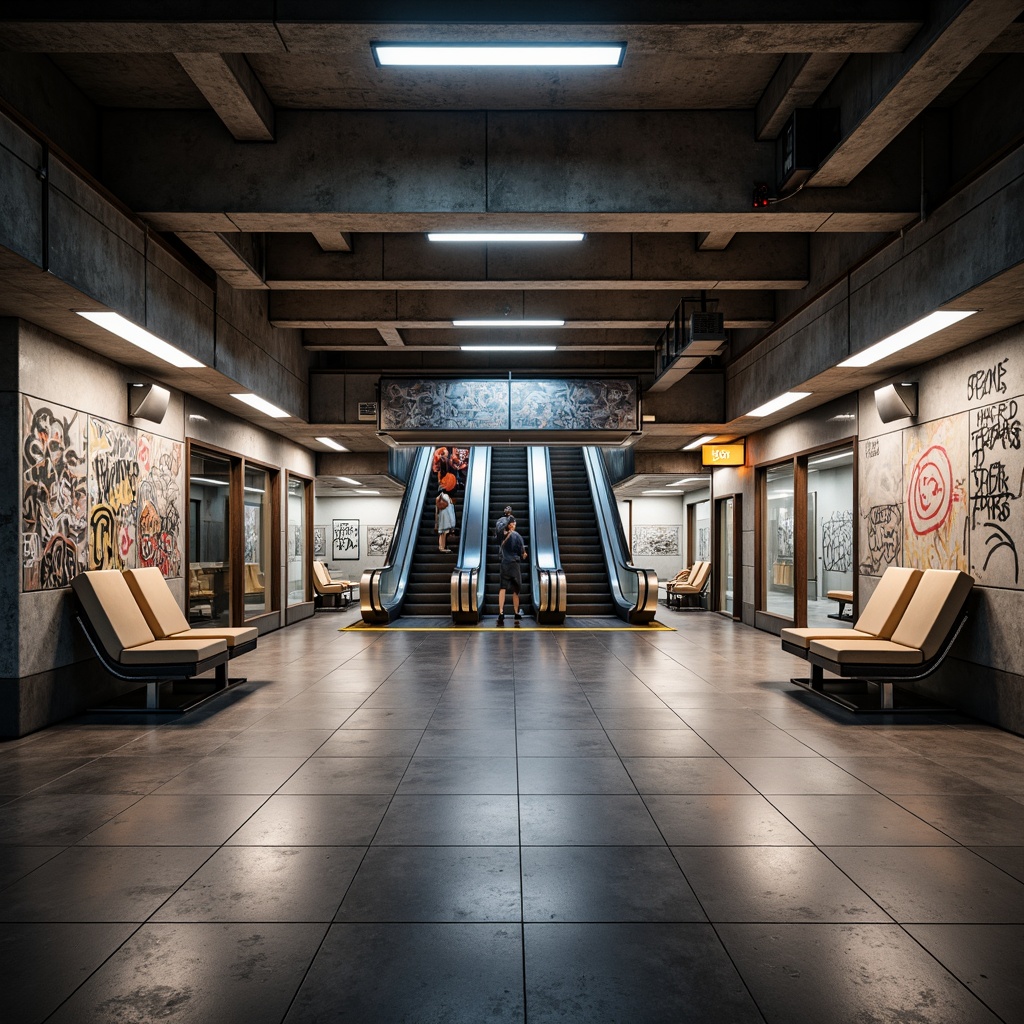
x=885, y=692
x=152, y=696
x=817, y=680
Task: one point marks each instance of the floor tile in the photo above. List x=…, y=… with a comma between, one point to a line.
x=635, y=973
x=573, y=775
x=846, y=974
x=42, y=964
x=454, y=775
x=371, y=743
x=255, y=775
x=467, y=743
x=450, y=821
x=133, y=776
x=937, y=884
x=908, y=773
x=414, y=972
x=984, y=957
x=198, y=972
x=20, y=775
x=320, y=820
x=564, y=743
x=605, y=883
x=985, y=819
x=852, y=820
x=101, y=884
x=754, y=743
x=679, y=742
x=57, y=820
x=722, y=821
x=773, y=883
x=266, y=883
x=682, y=775
x=388, y=718
x=639, y=718
x=799, y=775
x=1009, y=858
x=435, y=883
x=379, y=775
x=587, y=821
x=18, y=861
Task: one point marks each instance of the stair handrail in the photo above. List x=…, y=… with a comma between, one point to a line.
x=547, y=579
x=634, y=589
x=382, y=589
x=469, y=577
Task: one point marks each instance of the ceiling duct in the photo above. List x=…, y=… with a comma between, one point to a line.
x=681, y=348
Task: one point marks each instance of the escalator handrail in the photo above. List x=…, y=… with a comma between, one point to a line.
x=474, y=532
x=631, y=585
x=382, y=590
x=544, y=558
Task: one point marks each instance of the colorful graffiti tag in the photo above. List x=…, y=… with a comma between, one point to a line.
x=113, y=494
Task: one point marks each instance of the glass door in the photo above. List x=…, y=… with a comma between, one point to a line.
x=257, y=507
x=209, y=568
x=296, y=540
x=726, y=556
x=830, y=536
x=778, y=542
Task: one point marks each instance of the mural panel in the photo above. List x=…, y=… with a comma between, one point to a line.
x=574, y=404
x=320, y=542
x=996, y=484
x=54, y=494
x=655, y=540
x=378, y=540
x=161, y=487
x=935, y=533
x=837, y=541
x=113, y=495
x=881, y=503
x=444, y=405
x=344, y=539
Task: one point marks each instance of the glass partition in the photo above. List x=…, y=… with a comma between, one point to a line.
x=830, y=534
x=209, y=600
x=778, y=547
x=296, y=557
x=727, y=555
x=256, y=529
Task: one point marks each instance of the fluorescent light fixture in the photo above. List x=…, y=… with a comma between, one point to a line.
x=331, y=443
x=498, y=54
x=508, y=323
x=206, y=480
x=363, y=494
x=829, y=458
x=778, y=403
x=505, y=236
x=690, y=480
x=917, y=331
x=675, y=494
x=349, y=480
x=255, y=490
x=706, y=439
x=194, y=417
x=262, y=405
x=141, y=338
x=507, y=348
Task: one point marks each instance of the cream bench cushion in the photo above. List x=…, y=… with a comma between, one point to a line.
x=933, y=610
x=166, y=619
x=118, y=622
x=866, y=652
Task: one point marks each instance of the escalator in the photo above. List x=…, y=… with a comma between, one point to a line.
x=428, y=587
x=509, y=486
x=581, y=552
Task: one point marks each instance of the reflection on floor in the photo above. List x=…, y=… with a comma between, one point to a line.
x=505, y=825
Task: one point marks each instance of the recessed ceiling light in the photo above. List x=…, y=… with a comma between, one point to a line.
x=349, y=480
x=206, y=480
x=262, y=405
x=508, y=323
x=830, y=458
x=498, y=54
x=141, y=338
x=917, y=331
x=507, y=348
x=706, y=439
x=194, y=417
x=778, y=403
x=690, y=480
x=505, y=236
x=331, y=443
x=673, y=493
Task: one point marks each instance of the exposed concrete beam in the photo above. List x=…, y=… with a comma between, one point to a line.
x=391, y=336
x=714, y=241
x=334, y=241
x=582, y=310
x=415, y=171
x=221, y=256
x=623, y=261
x=880, y=96
x=231, y=87
x=799, y=81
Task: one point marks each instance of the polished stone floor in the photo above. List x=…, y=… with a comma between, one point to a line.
x=578, y=826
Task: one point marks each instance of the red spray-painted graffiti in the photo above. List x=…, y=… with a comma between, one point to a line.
x=931, y=492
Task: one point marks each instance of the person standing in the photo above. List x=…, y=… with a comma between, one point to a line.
x=502, y=523
x=444, y=518
x=513, y=551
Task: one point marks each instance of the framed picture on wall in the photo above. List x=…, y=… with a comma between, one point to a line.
x=344, y=539
x=320, y=542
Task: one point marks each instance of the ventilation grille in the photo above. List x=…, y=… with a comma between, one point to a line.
x=707, y=327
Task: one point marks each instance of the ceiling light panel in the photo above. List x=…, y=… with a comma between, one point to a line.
x=508, y=323
x=503, y=55
x=505, y=237
x=507, y=348
x=706, y=439
x=261, y=405
x=141, y=338
x=778, y=403
x=917, y=331
x=331, y=443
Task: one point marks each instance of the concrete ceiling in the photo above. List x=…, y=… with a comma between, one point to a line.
x=279, y=155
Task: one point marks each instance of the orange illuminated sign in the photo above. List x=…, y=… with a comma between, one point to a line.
x=722, y=455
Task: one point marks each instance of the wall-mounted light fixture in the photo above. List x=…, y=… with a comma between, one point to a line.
x=147, y=402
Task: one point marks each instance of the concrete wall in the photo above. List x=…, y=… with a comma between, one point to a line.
x=664, y=512
x=370, y=511
x=47, y=671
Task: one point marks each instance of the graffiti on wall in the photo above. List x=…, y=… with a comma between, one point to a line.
x=161, y=484
x=935, y=473
x=837, y=541
x=880, y=512
x=54, y=495
x=996, y=485
x=655, y=540
x=344, y=539
x=378, y=540
x=113, y=495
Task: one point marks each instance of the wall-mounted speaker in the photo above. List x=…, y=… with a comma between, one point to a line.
x=896, y=402
x=147, y=402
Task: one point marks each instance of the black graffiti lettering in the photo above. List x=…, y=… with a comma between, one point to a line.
x=998, y=540
x=997, y=426
x=59, y=563
x=837, y=542
x=885, y=537
x=103, y=538
x=991, y=381
x=992, y=493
